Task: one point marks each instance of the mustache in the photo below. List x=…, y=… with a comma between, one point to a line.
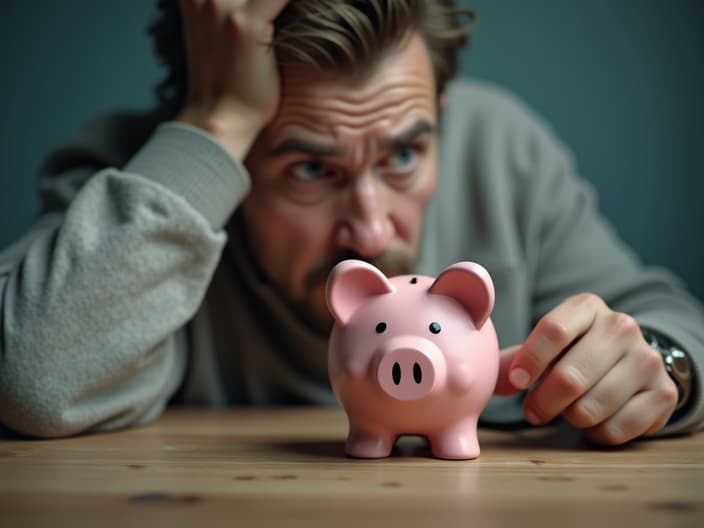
x=391, y=263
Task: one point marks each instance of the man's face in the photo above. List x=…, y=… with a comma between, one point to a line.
x=344, y=170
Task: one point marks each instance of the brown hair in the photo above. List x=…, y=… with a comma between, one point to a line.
x=347, y=36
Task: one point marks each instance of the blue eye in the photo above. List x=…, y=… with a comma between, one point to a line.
x=403, y=157
x=308, y=171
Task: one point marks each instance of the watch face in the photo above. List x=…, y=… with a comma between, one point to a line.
x=680, y=363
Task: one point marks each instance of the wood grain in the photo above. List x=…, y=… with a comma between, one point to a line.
x=267, y=467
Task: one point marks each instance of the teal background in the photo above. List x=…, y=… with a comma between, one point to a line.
x=621, y=81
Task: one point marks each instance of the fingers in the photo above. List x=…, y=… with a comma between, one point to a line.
x=580, y=369
x=266, y=10
x=646, y=413
x=244, y=13
x=233, y=79
x=589, y=362
x=593, y=366
x=257, y=17
x=503, y=386
x=623, y=417
x=620, y=384
x=552, y=336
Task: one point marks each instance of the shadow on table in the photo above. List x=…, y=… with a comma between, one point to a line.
x=558, y=437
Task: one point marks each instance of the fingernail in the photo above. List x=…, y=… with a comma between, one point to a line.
x=531, y=417
x=519, y=378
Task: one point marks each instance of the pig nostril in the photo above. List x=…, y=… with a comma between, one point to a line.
x=417, y=373
x=396, y=373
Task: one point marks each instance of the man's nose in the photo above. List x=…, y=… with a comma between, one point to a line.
x=365, y=226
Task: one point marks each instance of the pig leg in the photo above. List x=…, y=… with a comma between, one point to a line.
x=367, y=443
x=458, y=442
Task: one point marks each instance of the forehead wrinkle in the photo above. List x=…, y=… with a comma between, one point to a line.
x=382, y=123
x=372, y=110
x=383, y=127
x=330, y=109
x=350, y=100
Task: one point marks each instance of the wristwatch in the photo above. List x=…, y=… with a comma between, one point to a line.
x=677, y=364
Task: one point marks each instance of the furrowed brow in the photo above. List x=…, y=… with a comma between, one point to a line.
x=407, y=136
x=294, y=145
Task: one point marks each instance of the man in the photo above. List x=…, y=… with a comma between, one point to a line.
x=162, y=266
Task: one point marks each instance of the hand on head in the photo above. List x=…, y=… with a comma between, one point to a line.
x=233, y=82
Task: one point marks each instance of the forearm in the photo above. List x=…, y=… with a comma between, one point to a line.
x=93, y=299
x=581, y=253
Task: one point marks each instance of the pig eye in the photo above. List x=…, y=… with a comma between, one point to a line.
x=435, y=327
x=380, y=328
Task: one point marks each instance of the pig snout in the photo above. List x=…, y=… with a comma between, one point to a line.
x=410, y=368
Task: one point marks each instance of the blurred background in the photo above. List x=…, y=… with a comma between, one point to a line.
x=621, y=82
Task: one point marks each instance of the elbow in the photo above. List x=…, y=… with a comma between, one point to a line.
x=50, y=404
x=50, y=398
x=35, y=417
x=48, y=417
x=37, y=413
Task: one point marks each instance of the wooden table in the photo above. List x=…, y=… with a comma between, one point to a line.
x=286, y=467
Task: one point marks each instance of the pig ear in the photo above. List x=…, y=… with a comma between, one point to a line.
x=470, y=285
x=350, y=284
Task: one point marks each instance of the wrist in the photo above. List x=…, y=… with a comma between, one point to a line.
x=232, y=125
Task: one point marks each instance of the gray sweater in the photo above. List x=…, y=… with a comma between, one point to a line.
x=132, y=288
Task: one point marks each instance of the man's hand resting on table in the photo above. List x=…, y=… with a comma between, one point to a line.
x=593, y=366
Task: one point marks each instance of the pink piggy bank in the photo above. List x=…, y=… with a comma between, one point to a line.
x=412, y=355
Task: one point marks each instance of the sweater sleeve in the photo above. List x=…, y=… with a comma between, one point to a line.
x=573, y=249
x=94, y=297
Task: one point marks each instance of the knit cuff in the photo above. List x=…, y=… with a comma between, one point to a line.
x=194, y=165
